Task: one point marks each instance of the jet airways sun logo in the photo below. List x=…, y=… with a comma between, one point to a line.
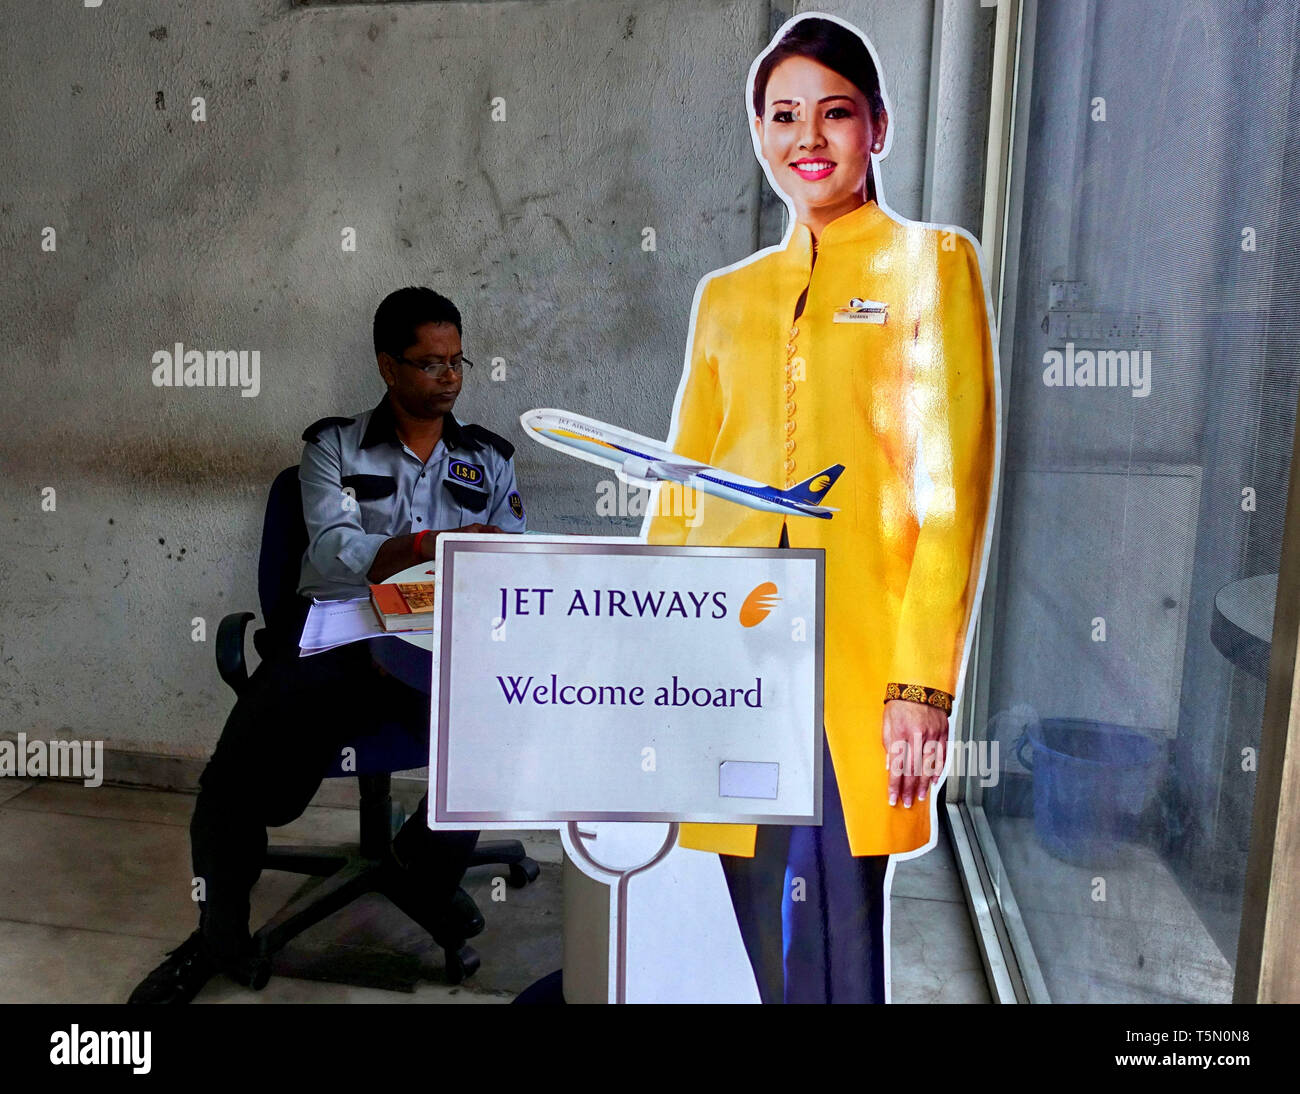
x=819, y=483
x=758, y=604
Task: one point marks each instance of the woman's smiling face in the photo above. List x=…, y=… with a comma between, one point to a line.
x=817, y=136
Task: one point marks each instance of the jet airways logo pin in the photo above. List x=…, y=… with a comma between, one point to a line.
x=862, y=311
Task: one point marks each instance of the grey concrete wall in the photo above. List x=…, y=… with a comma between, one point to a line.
x=226, y=234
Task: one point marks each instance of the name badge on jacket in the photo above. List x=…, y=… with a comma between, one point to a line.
x=862, y=311
x=467, y=483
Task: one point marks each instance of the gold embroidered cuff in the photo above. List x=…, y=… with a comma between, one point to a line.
x=915, y=693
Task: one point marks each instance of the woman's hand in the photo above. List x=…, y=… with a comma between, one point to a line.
x=915, y=736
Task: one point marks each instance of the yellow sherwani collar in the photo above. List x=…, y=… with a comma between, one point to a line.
x=854, y=228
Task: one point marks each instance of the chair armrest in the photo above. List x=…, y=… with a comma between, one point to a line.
x=230, y=650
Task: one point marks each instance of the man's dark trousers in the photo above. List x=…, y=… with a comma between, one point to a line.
x=283, y=735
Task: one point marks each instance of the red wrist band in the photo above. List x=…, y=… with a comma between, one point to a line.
x=419, y=539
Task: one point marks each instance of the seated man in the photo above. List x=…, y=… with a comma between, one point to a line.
x=377, y=491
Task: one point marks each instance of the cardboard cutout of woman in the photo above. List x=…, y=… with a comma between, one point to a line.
x=863, y=339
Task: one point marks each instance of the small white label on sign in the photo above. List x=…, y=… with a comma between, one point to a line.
x=747, y=779
x=852, y=315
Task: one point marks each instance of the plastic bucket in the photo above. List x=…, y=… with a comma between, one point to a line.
x=1090, y=783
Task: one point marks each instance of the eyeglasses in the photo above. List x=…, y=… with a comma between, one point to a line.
x=438, y=369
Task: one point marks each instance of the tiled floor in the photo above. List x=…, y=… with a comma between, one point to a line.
x=1138, y=940
x=933, y=954
x=94, y=888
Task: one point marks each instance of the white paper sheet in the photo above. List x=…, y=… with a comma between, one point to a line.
x=332, y=623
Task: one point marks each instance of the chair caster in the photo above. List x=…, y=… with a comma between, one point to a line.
x=522, y=873
x=259, y=971
x=461, y=963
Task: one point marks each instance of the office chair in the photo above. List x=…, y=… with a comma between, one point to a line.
x=370, y=865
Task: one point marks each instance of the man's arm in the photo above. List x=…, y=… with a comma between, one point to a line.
x=398, y=553
x=338, y=545
x=506, y=512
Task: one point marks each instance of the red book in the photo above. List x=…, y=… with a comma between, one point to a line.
x=404, y=606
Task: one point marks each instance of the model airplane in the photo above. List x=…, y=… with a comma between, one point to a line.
x=642, y=460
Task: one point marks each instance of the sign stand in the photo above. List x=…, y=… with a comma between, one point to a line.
x=715, y=715
x=618, y=897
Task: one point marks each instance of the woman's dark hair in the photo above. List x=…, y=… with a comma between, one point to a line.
x=839, y=49
x=401, y=312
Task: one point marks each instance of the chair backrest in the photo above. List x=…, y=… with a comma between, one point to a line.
x=279, y=565
x=397, y=746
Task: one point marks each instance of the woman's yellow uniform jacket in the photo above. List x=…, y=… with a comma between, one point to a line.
x=777, y=399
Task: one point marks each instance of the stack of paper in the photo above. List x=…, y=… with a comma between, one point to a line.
x=333, y=623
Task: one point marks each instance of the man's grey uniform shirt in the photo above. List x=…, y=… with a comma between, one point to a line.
x=361, y=486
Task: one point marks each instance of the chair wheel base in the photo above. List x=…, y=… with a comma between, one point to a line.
x=521, y=873
x=260, y=973
x=461, y=963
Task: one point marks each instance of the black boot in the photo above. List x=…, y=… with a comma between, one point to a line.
x=180, y=978
x=194, y=962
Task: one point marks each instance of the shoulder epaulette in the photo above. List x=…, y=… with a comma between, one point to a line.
x=313, y=430
x=479, y=436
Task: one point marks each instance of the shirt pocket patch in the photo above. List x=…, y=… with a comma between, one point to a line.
x=369, y=487
x=368, y=494
x=467, y=497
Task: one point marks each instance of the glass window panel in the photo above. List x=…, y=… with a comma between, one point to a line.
x=1152, y=355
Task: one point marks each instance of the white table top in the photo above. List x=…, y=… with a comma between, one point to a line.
x=1248, y=604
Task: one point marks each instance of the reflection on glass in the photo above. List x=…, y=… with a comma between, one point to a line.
x=1153, y=370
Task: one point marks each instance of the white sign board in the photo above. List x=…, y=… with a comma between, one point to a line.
x=584, y=678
